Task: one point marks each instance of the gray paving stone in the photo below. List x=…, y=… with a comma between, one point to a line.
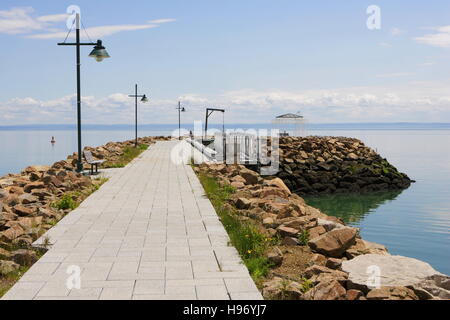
x=148, y=233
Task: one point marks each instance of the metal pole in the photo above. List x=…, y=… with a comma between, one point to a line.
x=79, y=162
x=135, y=113
x=179, y=120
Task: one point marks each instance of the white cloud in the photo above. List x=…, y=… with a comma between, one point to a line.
x=161, y=21
x=20, y=20
x=94, y=32
x=427, y=64
x=441, y=37
x=416, y=101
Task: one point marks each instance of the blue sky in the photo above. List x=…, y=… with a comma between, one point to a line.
x=256, y=58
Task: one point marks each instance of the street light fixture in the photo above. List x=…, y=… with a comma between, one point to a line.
x=99, y=53
x=180, y=109
x=144, y=100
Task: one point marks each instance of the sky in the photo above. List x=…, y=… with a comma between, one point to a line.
x=333, y=61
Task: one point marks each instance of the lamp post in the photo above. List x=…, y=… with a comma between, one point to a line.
x=180, y=110
x=144, y=99
x=99, y=53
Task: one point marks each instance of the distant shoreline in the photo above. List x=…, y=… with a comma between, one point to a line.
x=308, y=126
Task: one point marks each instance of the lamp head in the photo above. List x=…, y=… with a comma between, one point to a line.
x=144, y=99
x=99, y=52
x=183, y=109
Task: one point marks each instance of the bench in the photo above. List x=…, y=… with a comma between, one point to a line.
x=90, y=160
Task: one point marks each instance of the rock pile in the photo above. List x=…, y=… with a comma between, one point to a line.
x=26, y=209
x=333, y=246
x=315, y=165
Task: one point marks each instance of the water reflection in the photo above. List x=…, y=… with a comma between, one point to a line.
x=352, y=208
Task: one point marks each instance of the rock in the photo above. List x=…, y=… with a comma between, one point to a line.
x=316, y=232
x=281, y=289
x=238, y=178
x=27, y=198
x=329, y=225
x=318, y=274
x=268, y=222
x=24, y=257
x=334, y=243
x=433, y=287
x=392, y=293
x=31, y=169
x=23, y=211
x=277, y=182
x=250, y=176
x=395, y=271
x=353, y=294
x=46, y=213
x=318, y=259
x=29, y=222
x=8, y=267
x=365, y=247
x=3, y=194
x=289, y=241
x=11, y=233
x=333, y=263
x=237, y=185
x=33, y=185
x=352, y=156
x=287, y=232
x=268, y=192
x=4, y=253
x=242, y=203
x=299, y=223
x=275, y=257
x=332, y=290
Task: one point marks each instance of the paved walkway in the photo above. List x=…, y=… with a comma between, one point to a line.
x=148, y=233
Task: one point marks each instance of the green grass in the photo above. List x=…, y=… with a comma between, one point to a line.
x=72, y=200
x=66, y=202
x=244, y=236
x=129, y=153
x=303, y=237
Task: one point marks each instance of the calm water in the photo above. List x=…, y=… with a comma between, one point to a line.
x=415, y=222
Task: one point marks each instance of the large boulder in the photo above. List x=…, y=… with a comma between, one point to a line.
x=393, y=271
x=334, y=243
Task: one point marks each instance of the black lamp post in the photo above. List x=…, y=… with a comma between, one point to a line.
x=180, y=110
x=144, y=99
x=99, y=53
